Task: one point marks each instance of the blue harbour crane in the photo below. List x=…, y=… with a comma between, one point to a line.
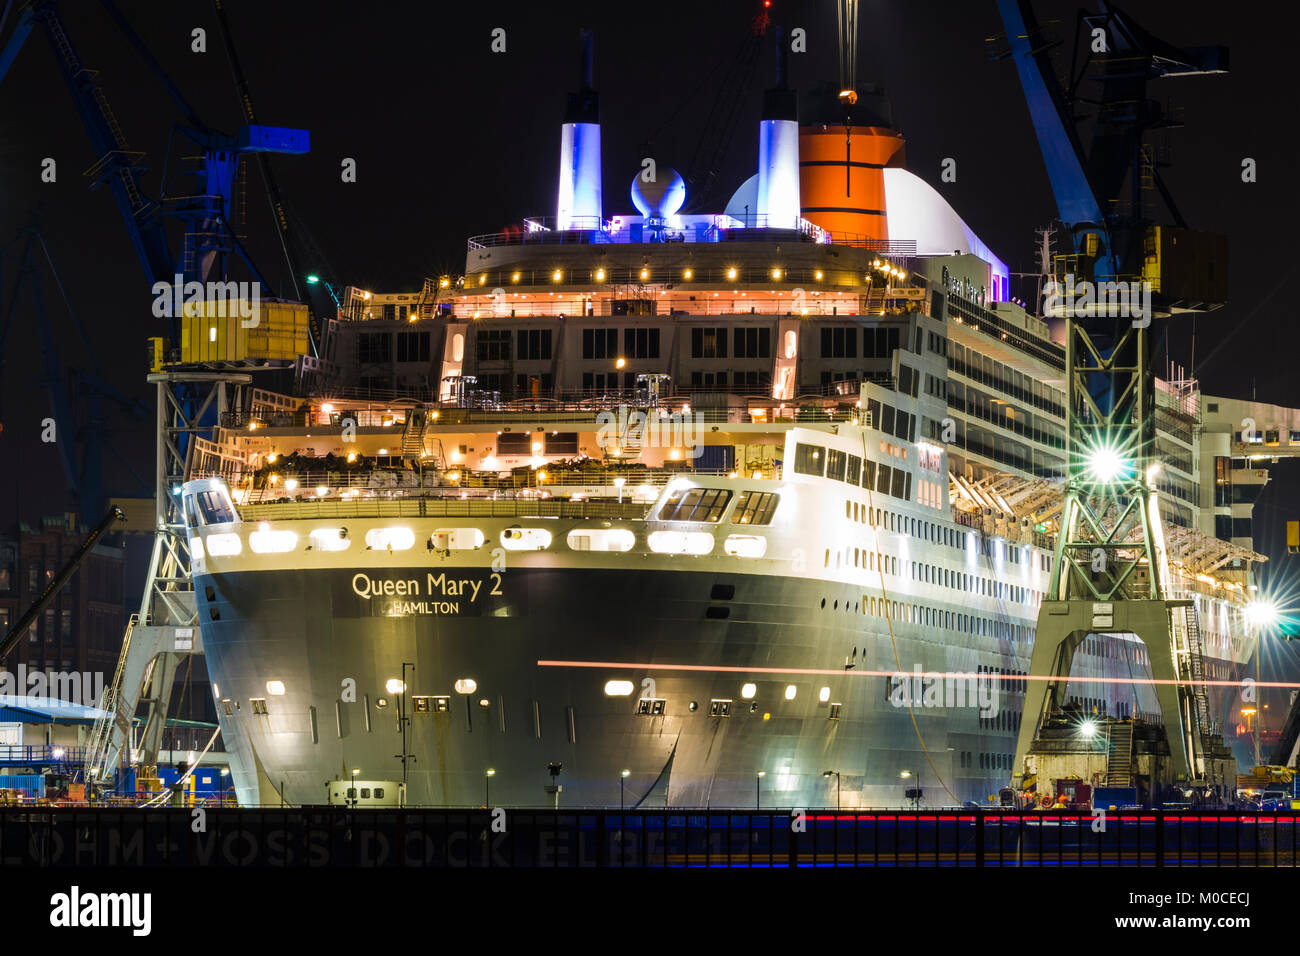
x=190, y=396
x=209, y=241
x=77, y=395
x=1110, y=572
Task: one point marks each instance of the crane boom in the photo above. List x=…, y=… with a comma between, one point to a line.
x=204, y=212
x=117, y=166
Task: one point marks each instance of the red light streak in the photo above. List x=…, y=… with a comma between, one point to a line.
x=839, y=671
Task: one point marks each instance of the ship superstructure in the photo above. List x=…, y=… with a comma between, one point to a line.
x=700, y=509
x=821, y=545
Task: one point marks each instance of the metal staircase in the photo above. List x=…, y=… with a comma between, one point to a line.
x=438, y=457
x=97, y=748
x=873, y=300
x=417, y=420
x=1119, y=756
x=1196, y=670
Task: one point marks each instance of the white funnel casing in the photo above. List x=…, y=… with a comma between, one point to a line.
x=578, y=198
x=778, y=174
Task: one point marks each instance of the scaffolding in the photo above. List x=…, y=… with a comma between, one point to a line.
x=165, y=630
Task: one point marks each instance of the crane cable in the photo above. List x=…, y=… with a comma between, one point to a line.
x=889, y=622
x=157, y=801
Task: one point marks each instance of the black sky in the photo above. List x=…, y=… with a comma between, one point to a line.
x=453, y=140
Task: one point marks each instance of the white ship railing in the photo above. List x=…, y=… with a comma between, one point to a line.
x=832, y=302
x=397, y=484
x=443, y=508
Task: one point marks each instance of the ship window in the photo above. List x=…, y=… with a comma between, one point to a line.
x=599, y=343
x=266, y=541
x=259, y=705
x=680, y=542
x=808, y=460
x=696, y=504
x=393, y=539
x=514, y=443
x=223, y=545
x=214, y=508
x=534, y=344
x=601, y=539
x=708, y=343
x=561, y=443
x=493, y=345
x=755, y=507
x=887, y=419
x=853, y=471
x=835, y=462
x=456, y=539
x=330, y=539
x=745, y=546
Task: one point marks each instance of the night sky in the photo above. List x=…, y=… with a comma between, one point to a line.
x=452, y=140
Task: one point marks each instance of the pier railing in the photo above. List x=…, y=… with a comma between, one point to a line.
x=40, y=754
x=524, y=838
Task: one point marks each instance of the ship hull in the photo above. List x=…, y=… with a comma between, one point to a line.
x=540, y=645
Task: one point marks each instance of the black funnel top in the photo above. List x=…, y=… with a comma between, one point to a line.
x=822, y=106
x=584, y=105
x=780, y=102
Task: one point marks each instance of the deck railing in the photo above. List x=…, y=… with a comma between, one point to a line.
x=442, y=508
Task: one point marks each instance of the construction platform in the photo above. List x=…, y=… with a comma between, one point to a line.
x=1125, y=762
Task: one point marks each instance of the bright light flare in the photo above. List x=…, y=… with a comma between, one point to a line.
x=1261, y=613
x=1106, y=464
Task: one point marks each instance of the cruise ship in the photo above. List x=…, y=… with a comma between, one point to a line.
x=750, y=507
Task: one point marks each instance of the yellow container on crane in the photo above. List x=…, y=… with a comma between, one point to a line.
x=221, y=332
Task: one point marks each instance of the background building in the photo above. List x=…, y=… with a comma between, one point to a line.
x=82, y=628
